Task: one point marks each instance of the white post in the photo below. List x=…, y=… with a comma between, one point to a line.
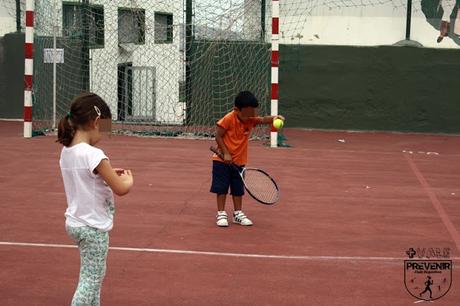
x=275, y=68
x=29, y=67
x=55, y=32
x=54, y=76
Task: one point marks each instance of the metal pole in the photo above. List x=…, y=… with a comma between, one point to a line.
x=262, y=20
x=54, y=63
x=54, y=76
x=86, y=10
x=408, y=19
x=18, y=15
x=188, y=60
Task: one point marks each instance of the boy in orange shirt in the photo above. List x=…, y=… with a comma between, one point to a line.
x=232, y=137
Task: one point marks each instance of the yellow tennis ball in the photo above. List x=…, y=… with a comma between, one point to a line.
x=278, y=123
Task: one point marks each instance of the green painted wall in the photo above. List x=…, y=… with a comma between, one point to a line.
x=12, y=76
x=326, y=87
x=370, y=88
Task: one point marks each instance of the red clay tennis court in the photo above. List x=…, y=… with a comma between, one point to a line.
x=351, y=205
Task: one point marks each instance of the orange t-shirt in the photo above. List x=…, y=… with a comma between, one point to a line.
x=236, y=137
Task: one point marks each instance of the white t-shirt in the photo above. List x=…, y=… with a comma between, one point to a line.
x=89, y=199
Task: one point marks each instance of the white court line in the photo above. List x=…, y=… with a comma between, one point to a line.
x=188, y=252
x=356, y=152
x=396, y=152
x=6, y=119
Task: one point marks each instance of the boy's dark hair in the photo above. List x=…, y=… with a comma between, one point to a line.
x=246, y=99
x=82, y=112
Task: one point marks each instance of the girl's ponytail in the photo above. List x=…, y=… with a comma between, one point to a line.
x=66, y=131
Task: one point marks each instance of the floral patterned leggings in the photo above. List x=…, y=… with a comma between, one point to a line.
x=94, y=246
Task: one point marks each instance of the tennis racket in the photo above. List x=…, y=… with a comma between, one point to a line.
x=258, y=183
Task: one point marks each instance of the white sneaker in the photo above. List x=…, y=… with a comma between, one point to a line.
x=222, y=219
x=240, y=218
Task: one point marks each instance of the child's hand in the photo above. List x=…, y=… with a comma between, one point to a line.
x=119, y=180
x=119, y=171
x=127, y=178
x=227, y=158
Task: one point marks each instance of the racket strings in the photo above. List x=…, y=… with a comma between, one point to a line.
x=261, y=186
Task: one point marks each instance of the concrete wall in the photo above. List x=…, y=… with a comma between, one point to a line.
x=7, y=25
x=7, y=17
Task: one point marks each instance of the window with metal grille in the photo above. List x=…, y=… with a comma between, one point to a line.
x=163, y=28
x=131, y=26
x=84, y=22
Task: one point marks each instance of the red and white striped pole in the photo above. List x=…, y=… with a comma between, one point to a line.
x=275, y=67
x=28, y=67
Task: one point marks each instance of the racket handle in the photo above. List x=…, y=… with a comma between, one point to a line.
x=214, y=149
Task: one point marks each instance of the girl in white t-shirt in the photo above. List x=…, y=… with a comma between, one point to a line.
x=89, y=182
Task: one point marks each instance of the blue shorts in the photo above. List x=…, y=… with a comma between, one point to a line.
x=224, y=176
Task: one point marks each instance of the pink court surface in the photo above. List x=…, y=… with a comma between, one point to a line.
x=351, y=205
